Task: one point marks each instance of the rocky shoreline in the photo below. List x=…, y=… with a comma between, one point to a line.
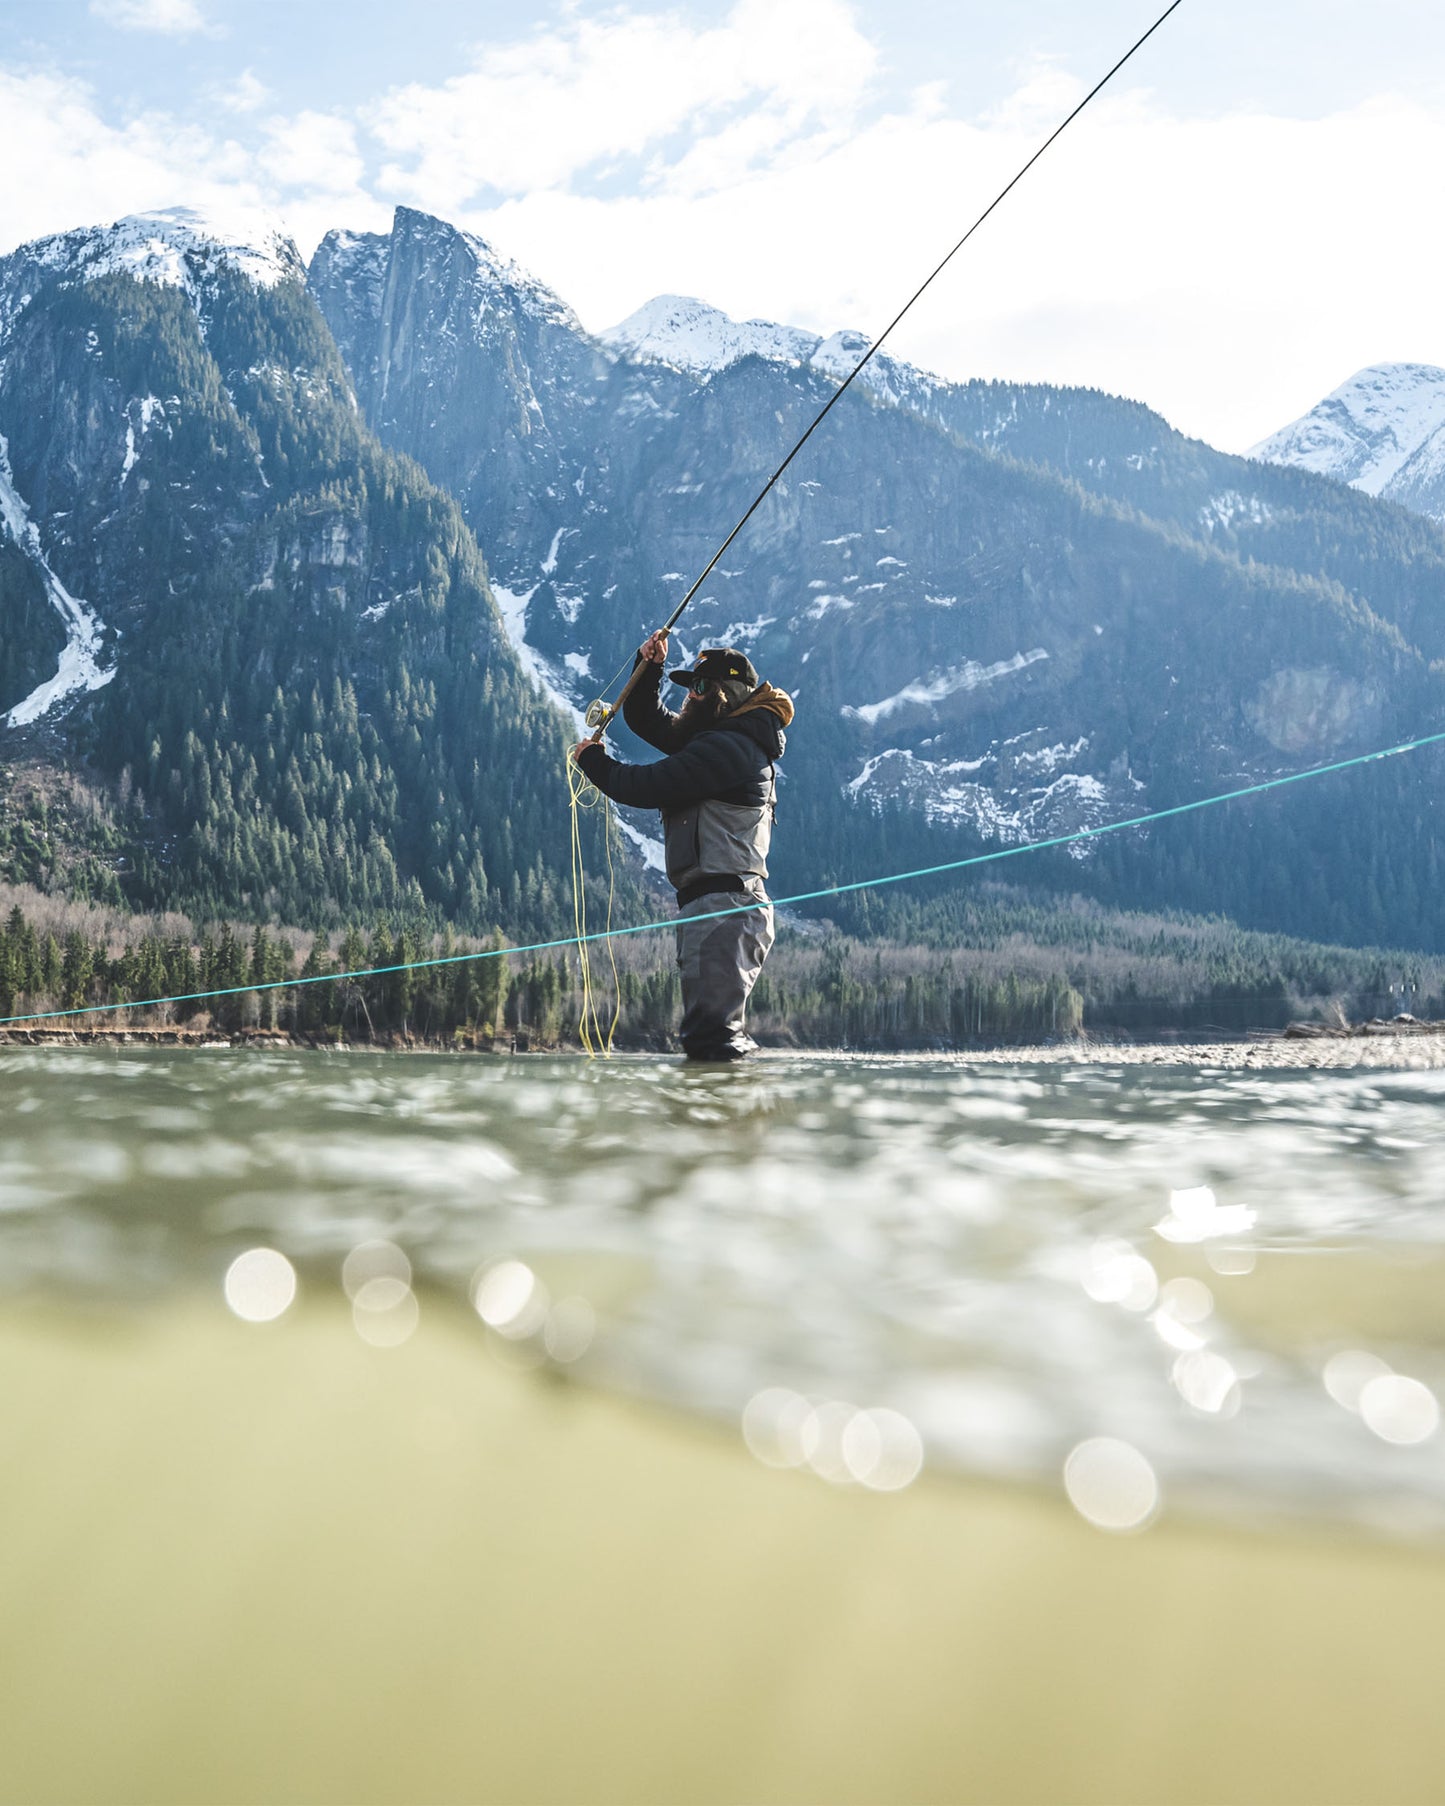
x=1402, y=1044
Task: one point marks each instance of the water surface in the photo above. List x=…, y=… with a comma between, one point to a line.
x=1224, y=1287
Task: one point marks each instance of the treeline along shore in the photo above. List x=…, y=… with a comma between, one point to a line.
x=1016, y=972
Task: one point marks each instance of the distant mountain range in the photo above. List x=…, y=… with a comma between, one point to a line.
x=1007, y=611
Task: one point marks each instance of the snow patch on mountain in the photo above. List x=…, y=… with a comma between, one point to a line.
x=512, y=606
x=177, y=247
x=924, y=691
x=692, y=336
x=79, y=667
x=1368, y=430
x=701, y=340
x=499, y=277
x=947, y=793
x=1230, y=505
x=149, y=408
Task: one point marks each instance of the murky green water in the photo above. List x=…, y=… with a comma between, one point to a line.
x=1156, y=1289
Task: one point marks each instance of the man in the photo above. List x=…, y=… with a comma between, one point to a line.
x=716, y=790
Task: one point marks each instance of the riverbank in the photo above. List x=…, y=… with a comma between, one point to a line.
x=1418, y=1047
x=1404, y=1050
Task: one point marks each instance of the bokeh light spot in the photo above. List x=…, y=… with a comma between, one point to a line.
x=1231, y=1262
x=882, y=1450
x=1111, y=1484
x=260, y=1285
x=373, y=1260
x=773, y=1422
x=509, y=1298
x=1113, y=1273
x=385, y=1311
x=1187, y=1300
x=1208, y=1382
x=1399, y=1409
x=1347, y=1374
x=821, y=1436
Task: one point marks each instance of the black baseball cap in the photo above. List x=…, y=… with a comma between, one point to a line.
x=719, y=664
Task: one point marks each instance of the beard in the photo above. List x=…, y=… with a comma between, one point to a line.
x=699, y=713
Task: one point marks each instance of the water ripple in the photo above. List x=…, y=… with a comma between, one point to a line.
x=1033, y=1268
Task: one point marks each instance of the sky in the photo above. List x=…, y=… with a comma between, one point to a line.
x=1247, y=216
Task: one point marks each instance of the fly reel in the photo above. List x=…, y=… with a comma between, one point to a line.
x=598, y=714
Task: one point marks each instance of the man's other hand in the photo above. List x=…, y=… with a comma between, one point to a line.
x=654, y=647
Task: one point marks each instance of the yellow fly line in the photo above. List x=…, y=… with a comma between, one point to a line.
x=581, y=795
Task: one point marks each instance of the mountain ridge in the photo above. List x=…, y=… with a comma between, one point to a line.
x=314, y=706
x=1006, y=611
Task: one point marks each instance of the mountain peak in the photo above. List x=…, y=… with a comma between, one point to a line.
x=691, y=335
x=1365, y=432
x=174, y=246
x=700, y=339
x=493, y=269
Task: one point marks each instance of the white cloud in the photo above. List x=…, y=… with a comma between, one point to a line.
x=173, y=18
x=81, y=170
x=1229, y=271
x=314, y=151
x=247, y=94
x=538, y=114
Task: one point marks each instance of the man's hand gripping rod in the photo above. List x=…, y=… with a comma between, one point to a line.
x=601, y=714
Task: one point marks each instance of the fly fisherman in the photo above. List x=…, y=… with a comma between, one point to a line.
x=716, y=790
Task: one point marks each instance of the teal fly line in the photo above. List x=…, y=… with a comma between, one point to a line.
x=806, y=896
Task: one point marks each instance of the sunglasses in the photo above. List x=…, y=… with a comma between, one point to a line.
x=699, y=687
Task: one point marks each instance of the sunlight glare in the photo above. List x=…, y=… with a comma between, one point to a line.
x=1399, y=1409
x=1195, y=1215
x=1208, y=1382
x=1111, y=1485
x=509, y=1298
x=1112, y=1273
x=260, y=1285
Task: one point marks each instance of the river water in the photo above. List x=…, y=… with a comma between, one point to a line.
x=1152, y=1290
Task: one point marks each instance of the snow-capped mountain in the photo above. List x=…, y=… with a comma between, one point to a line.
x=1383, y=432
x=176, y=248
x=1007, y=611
x=984, y=655
x=302, y=672
x=689, y=335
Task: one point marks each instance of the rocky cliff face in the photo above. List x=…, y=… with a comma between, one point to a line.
x=452, y=347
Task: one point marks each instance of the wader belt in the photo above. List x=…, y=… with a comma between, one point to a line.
x=709, y=882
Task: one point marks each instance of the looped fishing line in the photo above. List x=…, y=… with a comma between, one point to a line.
x=580, y=796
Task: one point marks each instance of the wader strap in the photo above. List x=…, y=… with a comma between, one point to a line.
x=709, y=882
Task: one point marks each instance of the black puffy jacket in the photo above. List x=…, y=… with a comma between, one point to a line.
x=715, y=788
